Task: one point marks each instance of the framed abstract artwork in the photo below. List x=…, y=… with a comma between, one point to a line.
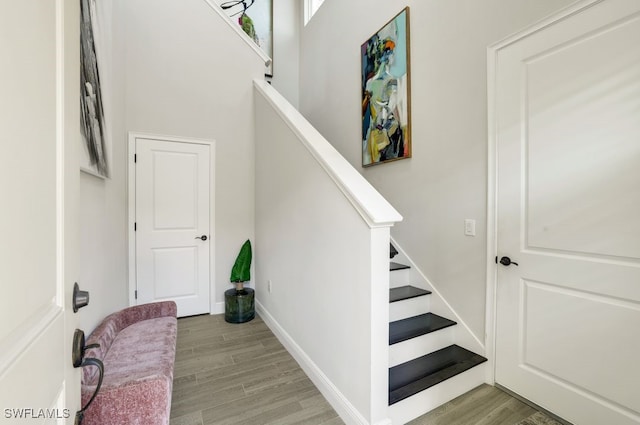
x=95, y=155
x=386, y=93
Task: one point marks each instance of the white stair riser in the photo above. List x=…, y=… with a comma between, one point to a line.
x=408, y=308
x=417, y=347
x=427, y=400
x=399, y=278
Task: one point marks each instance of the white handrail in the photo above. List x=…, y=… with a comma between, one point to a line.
x=238, y=30
x=373, y=208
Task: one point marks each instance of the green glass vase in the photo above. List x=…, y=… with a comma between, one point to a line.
x=239, y=306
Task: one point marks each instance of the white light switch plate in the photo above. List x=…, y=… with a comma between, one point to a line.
x=469, y=227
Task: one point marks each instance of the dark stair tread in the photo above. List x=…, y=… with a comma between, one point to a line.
x=417, y=375
x=405, y=293
x=392, y=251
x=397, y=266
x=402, y=330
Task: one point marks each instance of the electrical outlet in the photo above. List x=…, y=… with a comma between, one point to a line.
x=469, y=227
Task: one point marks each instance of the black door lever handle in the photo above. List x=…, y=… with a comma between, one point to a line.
x=506, y=261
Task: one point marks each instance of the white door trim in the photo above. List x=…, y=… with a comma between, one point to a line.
x=131, y=199
x=492, y=171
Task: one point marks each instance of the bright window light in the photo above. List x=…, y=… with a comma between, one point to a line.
x=310, y=8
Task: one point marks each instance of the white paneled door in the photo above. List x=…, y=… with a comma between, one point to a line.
x=567, y=126
x=39, y=186
x=172, y=216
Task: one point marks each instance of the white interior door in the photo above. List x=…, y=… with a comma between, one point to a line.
x=173, y=236
x=39, y=136
x=568, y=140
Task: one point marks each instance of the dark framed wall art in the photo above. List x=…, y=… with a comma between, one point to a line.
x=95, y=155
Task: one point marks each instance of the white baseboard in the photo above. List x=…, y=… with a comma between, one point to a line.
x=348, y=413
x=217, y=308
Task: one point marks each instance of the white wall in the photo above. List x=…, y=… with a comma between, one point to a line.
x=103, y=208
x=445, y=181
x=287, y=18
x=328, y=270
x=187, y=74
x=260, y=13
x=173, y=69
x=287, y=22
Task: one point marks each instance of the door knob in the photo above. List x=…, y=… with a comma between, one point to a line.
x=506, y=261
x=203, y=237
x=79, y=347
x=80, y=298
x=78, y=359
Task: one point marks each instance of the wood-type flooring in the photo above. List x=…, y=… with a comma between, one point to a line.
x=240, y=374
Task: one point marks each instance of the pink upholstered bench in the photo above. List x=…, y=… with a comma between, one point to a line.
x=137, y=347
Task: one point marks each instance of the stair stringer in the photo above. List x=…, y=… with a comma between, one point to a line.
x=439, y=305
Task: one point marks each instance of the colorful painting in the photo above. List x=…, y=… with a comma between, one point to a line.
x=256, y=20
x=386, y=102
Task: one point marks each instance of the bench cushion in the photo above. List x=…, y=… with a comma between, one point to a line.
x=138, y=377
x=107, y=331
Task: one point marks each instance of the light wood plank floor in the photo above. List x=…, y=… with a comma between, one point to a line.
x=240, y=374
x=485, y=405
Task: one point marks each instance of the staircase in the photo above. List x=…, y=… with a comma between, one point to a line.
x=426, y=367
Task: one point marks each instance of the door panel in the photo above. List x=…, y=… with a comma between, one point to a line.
x=174, y=184
x=587, y=207
x=39, y=132
x=43, y=359
x=567, y=121
x=585, y=316
x=172, y=210
x=175, y=265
